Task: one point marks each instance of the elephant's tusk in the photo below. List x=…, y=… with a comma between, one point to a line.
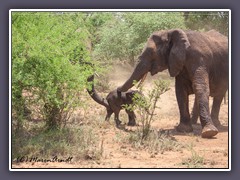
x=142, y=80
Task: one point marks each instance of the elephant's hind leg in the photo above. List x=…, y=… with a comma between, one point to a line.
x=215, y=110
x=195, y=112
x=109, y=113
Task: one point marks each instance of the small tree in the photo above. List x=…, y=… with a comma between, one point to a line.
x=146, y=105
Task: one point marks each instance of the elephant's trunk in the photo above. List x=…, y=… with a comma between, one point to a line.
x=92, y=92
x=142, y=80
x=139, y=73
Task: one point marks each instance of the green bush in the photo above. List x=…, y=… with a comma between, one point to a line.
x=124, y=37
x=50, y=63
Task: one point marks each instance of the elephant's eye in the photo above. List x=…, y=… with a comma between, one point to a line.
x=165, y=40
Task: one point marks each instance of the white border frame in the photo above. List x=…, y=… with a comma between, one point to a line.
x=118, y=10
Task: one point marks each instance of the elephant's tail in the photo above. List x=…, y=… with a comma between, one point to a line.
x=92, y=92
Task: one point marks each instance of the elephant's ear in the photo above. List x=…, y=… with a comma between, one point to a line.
x=178, y=42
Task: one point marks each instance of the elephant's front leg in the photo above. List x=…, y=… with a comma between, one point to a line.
x=183, y=100
x=116, y=118
x=201, y=90
x=131, y=118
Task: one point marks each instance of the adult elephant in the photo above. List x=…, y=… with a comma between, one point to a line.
x=199, y=63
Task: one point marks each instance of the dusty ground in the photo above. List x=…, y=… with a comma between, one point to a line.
x=117, y=154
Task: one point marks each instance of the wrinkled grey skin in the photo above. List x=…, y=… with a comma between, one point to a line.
x=199, y=63
x=195, y=113
x=114, y=103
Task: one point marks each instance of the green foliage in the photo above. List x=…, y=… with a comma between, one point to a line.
x=146, y=105
x=49, y=63
x=124, y=37
x=205, y=21
x=94, y=22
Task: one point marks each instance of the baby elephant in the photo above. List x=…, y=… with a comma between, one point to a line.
x=114, y=103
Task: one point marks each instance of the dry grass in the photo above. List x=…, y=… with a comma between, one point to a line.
x=94, y=143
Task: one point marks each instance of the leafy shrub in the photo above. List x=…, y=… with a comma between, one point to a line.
x=146, y=105
x=50, y=63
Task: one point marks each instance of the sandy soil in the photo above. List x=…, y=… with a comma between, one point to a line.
x=119, y=155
